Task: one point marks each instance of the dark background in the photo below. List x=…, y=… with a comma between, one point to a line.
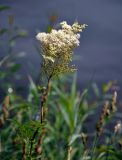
x=100, y=50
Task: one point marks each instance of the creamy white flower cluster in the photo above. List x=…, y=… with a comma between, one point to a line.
x=58, y=45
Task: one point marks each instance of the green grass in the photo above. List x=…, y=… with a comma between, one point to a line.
x=65, y=129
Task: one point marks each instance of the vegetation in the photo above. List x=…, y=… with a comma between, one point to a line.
x=52, y=122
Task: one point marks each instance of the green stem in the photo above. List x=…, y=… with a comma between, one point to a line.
x=32, y=141
x=94, y=146
x=69, y=153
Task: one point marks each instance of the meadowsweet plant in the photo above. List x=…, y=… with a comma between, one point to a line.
x=57, y=52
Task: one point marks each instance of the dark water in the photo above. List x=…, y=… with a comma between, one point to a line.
x=101, y=44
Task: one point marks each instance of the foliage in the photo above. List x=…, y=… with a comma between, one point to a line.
x=52, y=122
x=65, y=127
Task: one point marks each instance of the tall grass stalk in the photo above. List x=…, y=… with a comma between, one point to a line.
x=69, y=153
x=94, y=145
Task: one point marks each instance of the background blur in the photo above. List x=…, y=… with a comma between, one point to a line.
x=100, y=50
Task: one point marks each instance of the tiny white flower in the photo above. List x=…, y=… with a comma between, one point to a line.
x=10, y=90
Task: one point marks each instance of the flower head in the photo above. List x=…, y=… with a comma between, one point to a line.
x=58, y=46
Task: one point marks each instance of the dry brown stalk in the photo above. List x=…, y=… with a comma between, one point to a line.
x=114, y=101
x=117, y=127
x=108, y=110
x=43, y=113
x=5, y=111
x=24, y=151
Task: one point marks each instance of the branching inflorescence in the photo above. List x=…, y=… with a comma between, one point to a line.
x=58, y=46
